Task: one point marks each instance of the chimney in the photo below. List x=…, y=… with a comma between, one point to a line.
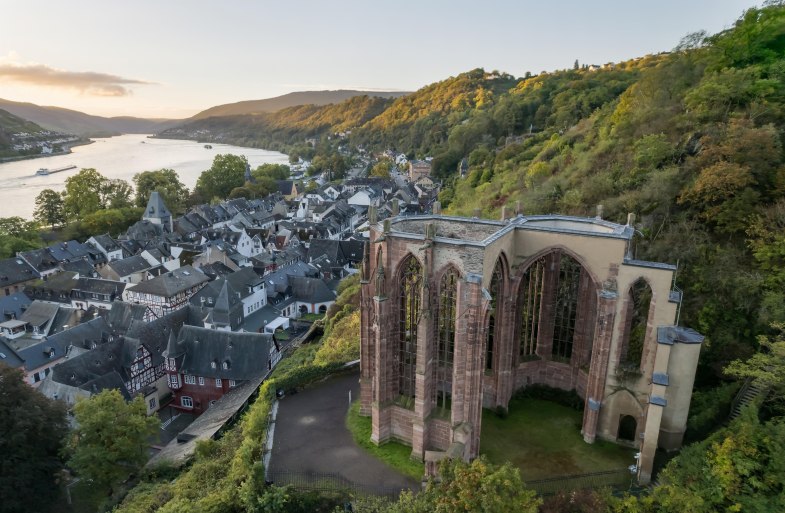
x=504, y=213
x=599, y=212
x=630, y=219
x=201, y=300
x=372, y=218
x=437, y=208
x=395, y=208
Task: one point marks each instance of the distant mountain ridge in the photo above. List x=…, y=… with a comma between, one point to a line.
x=295, y=99
x=79, y=123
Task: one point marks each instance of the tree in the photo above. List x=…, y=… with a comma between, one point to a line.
x=116, y=193
x=17, y=234
x=168, y=185
x=477, y=486
x=274, y=171
x=31, y=434
x=767, y=366
x=226, y=173
x=49, y=208
x=381, y=169
x=82, y=195
x=110, y=440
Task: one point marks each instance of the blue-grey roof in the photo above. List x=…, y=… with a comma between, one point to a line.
x=11, y=307
x=206, y=351
x=8, y=356
x=672, y=334
x=15, y=270
x=82, y=335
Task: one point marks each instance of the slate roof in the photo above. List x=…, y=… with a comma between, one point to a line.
x=172, y=283
x=128, y=266
x=11, y=307
x=39, y=313
x=143, y=230
x=100, y=286
x=156, y=207
x=246, y=354
x=106, y=242
x=15, y=270
x=122, y=315
x=83, y=335
x=8, y=356
x=310, y=290
x=82, y=267
x=215, y=270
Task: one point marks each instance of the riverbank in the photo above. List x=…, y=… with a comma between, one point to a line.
x=66, y=150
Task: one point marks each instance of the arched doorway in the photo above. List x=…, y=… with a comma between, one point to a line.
x=322, y=309
x=303, y=309
x=628, y=426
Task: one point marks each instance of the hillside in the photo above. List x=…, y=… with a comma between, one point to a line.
x=691, y=141
x=414, y=122
x=287, y=126
x=21, y=138
x=290, y=100
x=79, y=123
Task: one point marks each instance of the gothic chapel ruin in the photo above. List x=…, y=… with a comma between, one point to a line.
x=459, y=313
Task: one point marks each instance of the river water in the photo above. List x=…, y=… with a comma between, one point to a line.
x=115, y=157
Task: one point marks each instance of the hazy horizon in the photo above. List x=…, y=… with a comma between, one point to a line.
x=175, y=59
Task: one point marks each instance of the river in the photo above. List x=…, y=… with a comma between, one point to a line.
x=115, y=157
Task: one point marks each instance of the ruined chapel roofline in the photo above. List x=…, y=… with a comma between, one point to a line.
x=488, y=231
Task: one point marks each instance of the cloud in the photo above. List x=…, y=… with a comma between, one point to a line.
x=86, y=82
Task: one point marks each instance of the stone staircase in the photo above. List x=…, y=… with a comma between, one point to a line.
x=749, y=392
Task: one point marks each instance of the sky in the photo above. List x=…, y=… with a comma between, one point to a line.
x=174, y=58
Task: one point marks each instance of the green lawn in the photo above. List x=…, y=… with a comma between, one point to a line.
x=543, y=439
x=394, y=454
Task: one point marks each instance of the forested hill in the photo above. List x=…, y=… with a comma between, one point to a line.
x=690, y=140
x=290, y=100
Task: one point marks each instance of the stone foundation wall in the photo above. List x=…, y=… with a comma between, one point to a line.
x=553, y=374
x=439, y=437
x=401, y=421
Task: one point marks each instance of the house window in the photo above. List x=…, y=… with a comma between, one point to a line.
x=190, y=380
x=186, y=402
x=225, y=365
x=172, y=365
x=213, y=365
x=151, y=403
x=218, y=383
x=232, y=383
x=174, y=381
x=201, y=380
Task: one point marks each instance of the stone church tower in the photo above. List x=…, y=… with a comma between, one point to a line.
x=459, y=313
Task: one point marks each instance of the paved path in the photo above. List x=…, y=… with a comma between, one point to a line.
x=311, y=437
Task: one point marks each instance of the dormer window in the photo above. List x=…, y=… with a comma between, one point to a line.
x=225, y=365
x=213, y=365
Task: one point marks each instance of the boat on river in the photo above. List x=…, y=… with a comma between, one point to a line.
x=46, y=172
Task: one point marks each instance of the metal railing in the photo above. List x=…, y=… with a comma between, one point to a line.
x=615, y=479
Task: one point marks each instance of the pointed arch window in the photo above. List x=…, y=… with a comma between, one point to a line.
x=410, y=284
x=637, y=320
x=493, y=289
x=566, y=307
x=532, y=286
x=445, y=342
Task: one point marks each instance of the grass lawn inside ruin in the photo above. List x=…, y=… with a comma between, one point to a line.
x=543, y=439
